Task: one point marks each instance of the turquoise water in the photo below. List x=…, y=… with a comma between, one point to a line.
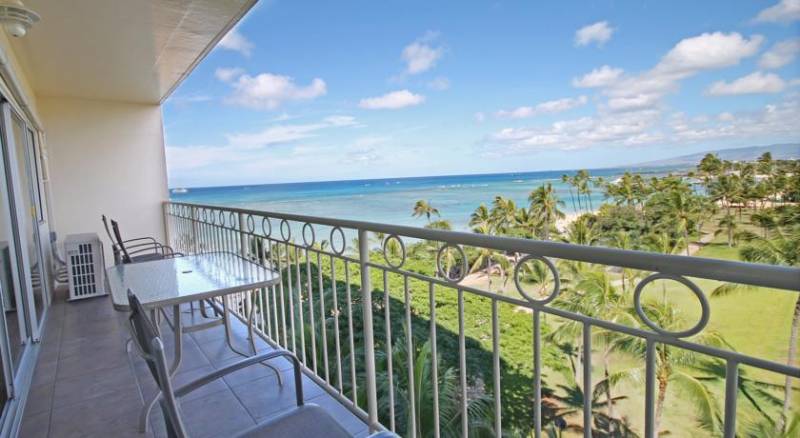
x=391, y=200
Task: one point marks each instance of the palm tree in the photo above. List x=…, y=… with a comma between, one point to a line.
x=684, y=207
x=782, y=247
x=622, y=240
x=584, y=187
x=566, y=180
x=529, y=225
x=478, y=406
x=764, y=428
x=674, y=366
x=424, y=208
x=728, y=224
x=595, y=295
x=544, y=204
x=581, y=232
x=569, y=409
x=441, y=224
x=504, y=214
x=482, y=220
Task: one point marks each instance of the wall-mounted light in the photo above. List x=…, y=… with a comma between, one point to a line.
x=16, y=18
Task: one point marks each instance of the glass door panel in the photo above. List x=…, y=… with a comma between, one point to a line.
x=30, y=212
x=14, y=332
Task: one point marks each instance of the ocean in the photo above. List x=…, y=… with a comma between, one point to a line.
x=391, y=200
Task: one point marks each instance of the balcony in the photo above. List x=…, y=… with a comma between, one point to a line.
x=395, y=326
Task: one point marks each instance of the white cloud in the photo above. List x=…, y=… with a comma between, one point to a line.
x=636, y=128
x=243, y=147
x=548, y=107
x=422, y=54
x=236, y=42
x=725, y=117
x=599, y=33
x=441, y=83
x=783, y=12
x=267, y=90
x=780, y=54
x=794, y=82
x=708, y=51
x=226, y=74
x=753, y=83
x=365, y=150
x=393, y=100
x=580, y=133
x=480, y=117
x=599, y=77
x=688, y=57
x=635, y=102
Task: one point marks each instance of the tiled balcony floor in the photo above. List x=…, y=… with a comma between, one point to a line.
x=87, y=385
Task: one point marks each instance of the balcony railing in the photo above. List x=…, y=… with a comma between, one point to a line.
x=423, y=323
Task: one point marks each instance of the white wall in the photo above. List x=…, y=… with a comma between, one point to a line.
x=105, y=158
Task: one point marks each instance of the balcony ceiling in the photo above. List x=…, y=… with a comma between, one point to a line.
x=134, y=51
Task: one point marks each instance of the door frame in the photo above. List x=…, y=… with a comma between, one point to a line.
x=28, y=312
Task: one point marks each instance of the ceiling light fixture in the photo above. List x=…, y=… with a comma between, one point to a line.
x=16, y=18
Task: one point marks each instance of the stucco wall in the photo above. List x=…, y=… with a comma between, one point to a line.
x=105, y=158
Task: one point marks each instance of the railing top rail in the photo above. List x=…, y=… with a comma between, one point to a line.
x=754, y=274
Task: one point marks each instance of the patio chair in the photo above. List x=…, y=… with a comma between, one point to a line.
x=306, y=420
x=140, y=249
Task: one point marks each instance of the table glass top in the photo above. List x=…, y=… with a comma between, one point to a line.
x=182, y=279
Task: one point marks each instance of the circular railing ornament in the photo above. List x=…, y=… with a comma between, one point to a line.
x=705, y=310
x=221, y=216
x=286, y=235
x=313, y=235
x=233, y=223
x=251, y=224
x=266, y=226
x=344, y=242
x=556, y=279
x=446, y=275
x=402, y=251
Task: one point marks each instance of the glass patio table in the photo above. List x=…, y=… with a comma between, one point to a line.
x=161, y=284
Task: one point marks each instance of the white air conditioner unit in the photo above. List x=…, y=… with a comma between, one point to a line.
x=85, y=266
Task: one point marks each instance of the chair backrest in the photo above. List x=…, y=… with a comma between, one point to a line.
x=148, y=343
x=126, y=258
x=108, y=230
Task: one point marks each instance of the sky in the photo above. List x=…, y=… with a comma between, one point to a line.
x=315, y=90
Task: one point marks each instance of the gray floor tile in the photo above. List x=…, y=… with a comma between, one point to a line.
x=45, y=373
x=101, y=383
x=40, y=399
x=35, y=425
x=115, y=414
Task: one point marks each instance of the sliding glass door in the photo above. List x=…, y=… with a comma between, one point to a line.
x=16, y=324
x=30, y=215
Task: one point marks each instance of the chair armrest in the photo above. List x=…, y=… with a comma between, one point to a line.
x=383, y=434
x=151, y=239
x=244, y=363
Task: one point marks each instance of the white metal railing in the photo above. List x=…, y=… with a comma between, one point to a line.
x=337, y=340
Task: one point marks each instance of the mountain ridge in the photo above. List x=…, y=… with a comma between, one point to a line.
x=780, y=151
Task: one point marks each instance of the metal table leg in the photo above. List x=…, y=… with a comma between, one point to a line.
x=177, y=330
x=229, y=340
